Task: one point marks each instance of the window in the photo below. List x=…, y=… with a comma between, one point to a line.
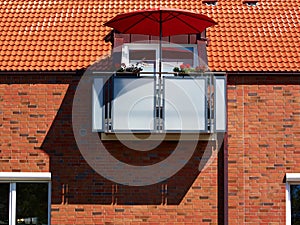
x=172, y=55
x=147, y=56
x=293, y=198
x=4, y=203
x=250, y=2
x=25, y=198
x=210, y=2
x=177, y=55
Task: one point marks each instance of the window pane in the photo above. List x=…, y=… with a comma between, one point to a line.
x=295, y=202
x=32, y=203
x=142, y=55
x=176, y=56
x=148, y=57
x=4, y=203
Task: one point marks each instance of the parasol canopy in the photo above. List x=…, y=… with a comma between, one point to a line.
x=160, y=22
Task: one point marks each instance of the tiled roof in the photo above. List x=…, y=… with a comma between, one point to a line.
x=68, y=35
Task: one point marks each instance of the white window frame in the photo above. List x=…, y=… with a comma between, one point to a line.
x=138, y=46
x=291, y=179
x=17, y=177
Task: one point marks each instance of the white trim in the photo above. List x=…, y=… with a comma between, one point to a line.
x=25, y=176
x=288, y=204
x=293, y=177
x=12, y=203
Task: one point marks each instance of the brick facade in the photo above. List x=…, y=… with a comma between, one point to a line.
x=37, y=136
x=263, y=145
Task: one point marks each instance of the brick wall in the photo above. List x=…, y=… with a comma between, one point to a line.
x=29, y=105
x=36, y=135
x=263, y=145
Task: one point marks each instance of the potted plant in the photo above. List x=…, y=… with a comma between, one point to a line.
x=186, y=69
x=130, y=70
x=182, y=70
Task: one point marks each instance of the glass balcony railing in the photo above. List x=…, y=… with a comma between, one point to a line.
x=159, y=103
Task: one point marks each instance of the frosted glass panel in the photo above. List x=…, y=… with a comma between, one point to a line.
x=133, y=104
x=185, y=104
x=220, y=104
x=98, y=107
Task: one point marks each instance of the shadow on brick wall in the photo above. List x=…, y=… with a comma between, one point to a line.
x=75, y=182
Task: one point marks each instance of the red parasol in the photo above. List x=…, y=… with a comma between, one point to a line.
x=160, y=22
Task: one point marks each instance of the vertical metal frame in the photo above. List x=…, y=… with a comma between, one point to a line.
x=215, y=103
x=96, y=96
x=205, y=105
x=210, y=100
x=108, y=96
x=153, y=110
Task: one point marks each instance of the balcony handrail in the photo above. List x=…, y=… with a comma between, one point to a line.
x=168, y=73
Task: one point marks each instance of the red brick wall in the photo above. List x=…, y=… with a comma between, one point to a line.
x=264, y=131
x=36, y=135
x=28, y=106
x=263, y=145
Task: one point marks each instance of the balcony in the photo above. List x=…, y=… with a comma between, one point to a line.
x=159, y=104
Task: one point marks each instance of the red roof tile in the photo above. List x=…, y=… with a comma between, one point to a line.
x=67, y=35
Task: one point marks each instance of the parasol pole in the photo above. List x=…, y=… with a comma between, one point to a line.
x=160, y=39
x=159, y=78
